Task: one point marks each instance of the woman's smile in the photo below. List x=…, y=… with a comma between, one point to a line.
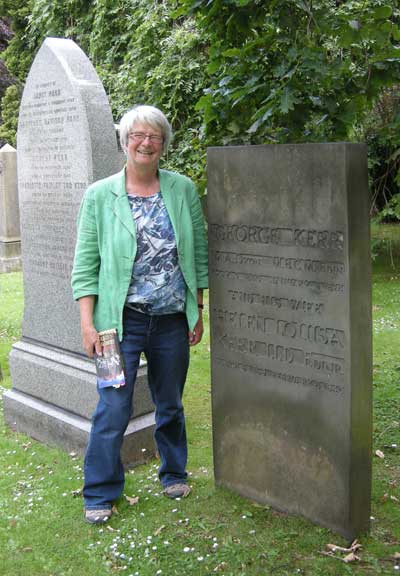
x=148, y=151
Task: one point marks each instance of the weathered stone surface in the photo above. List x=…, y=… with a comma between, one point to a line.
x=66, y=140
x=66, y=380
x=10, y=240
x=290, y=310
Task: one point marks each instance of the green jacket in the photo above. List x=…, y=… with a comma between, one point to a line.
x=106, y=245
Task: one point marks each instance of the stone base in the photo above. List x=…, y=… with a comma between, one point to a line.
x=10, y=264
x=10, y=247
x=54, y=395
x=57, y=427
x=65, y=379
x=10, y=256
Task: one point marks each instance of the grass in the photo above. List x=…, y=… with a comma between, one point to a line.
x=214, y=531
x=11, y=308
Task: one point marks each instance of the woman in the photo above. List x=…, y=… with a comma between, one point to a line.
x=140, y=267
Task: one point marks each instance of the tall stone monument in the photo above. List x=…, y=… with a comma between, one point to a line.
x=10, y=240
x=66, y=140
x=290, y=309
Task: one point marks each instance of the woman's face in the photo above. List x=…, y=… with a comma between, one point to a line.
x=147, y=151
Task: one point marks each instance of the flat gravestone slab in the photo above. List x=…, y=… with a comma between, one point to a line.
x=66, y=140
x=290, y=311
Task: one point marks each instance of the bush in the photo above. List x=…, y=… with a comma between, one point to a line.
x=382, y=129
x=10, y=107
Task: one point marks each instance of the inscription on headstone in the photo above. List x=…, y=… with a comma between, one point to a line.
x=290, y=310
x=66, y=140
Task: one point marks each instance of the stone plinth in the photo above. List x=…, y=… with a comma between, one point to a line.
x=66, y=140
x=10, y=240
x=290, y=312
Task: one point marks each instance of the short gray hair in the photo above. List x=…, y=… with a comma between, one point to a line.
x=146, y=115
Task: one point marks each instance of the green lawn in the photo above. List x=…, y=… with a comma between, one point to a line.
x=42, y=532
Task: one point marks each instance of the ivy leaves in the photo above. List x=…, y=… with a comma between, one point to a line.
x=228, y=71
x=295, y=70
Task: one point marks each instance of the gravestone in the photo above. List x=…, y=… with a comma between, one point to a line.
x=10, y=240
x=66, y=140
x=290, y=312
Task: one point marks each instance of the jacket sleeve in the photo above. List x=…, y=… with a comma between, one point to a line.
x=200, y=240
x=85, y=272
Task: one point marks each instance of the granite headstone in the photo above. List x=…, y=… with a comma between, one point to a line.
x=10, y=239
x=290, y=311
x=66, y=140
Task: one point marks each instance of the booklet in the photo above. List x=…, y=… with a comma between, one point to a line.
x=109, y=366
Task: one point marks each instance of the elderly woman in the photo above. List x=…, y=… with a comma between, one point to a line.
x=140, y=267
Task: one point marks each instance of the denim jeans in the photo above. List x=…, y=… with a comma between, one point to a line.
x=164, y=340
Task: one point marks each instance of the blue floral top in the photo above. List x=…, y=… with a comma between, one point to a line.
x=157, y=285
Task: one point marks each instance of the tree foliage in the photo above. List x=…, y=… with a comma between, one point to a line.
x=233, y=71
x=10, y=106
x=142, y=53
x=381, y=131
x=295, y=70
x=161, y=61
x=18, y=55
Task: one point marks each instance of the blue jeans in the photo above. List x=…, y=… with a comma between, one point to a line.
x=164, y=340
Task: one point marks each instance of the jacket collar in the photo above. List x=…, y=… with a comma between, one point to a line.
x=173, y=199
x=121, y=204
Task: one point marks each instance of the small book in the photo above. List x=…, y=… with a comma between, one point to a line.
x=109, y=366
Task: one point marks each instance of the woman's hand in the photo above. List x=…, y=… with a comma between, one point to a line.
x=90, y=340
x=197, y=334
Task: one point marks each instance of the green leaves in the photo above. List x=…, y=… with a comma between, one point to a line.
x=342, y=56
x=382, y=12
x=262, y=119
x=228, y=71
x=395, y=32
x=354, y=24
x=10, y=106
x=288, y=100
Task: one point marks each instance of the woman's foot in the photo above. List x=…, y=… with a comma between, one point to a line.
x=177, y=491
x=97, y=516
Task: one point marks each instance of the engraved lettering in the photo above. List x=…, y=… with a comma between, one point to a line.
x=260, y=348
x=49, y=205
x=318, y=385
x=325, y=363
x=321, y=239
x=276, y=301
x=315, y=285
x=326, y=336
